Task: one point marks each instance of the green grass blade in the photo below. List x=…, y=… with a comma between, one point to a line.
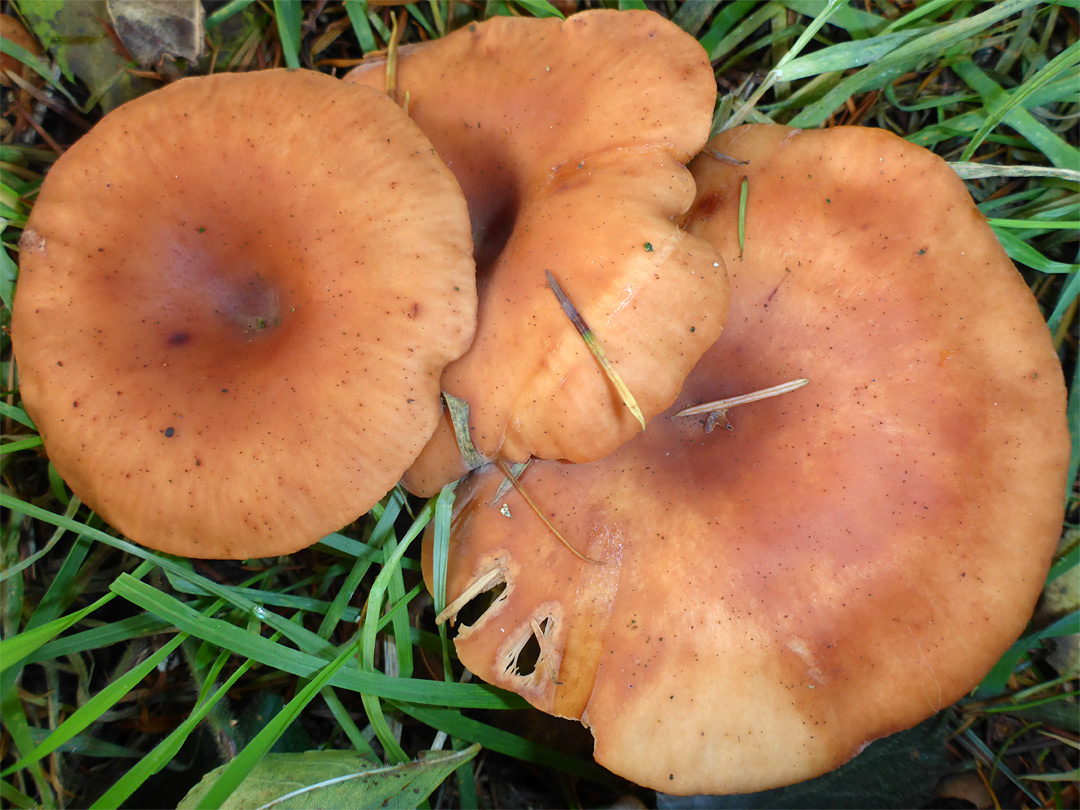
x=14, y=650
x=744, y=191
x=930, y=8
x=894, y=64
x=444, y=506
x=495, y=739
x=8, y=272
x=974, y=171
x=540, y=8
x=690, y=17
x=73, y=507
x=348, y=726
x=358, y=16
x=252, y=645
x=354, y=548
x=1021, y=251
x=1073, y=416
x=1068, y=295
x=289, y=15
x=241, y=766
x=995, y=682
x=421, y=20
x=15, y=797
x=39, y=67
x=115, y=632
x=226, y=11
x=843, y=56
x=92, y=710
x=1067, y=60
x=996, y=100
x=167, y=749
x=16, y=725
x=398, y=616
x=718, y=46
x=369, y=631
x=344, y=595
x=20, y=444
x=6, y=410
x=855, y=21
x=774, y=75
x=1035, y=224
x=1065, y=563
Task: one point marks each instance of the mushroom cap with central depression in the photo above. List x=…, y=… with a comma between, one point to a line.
x=236, y=298
x=849, y=558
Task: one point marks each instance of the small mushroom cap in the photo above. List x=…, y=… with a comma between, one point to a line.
x=569, y=140
x=14, y=31
x=236, y=299
x=849, y=558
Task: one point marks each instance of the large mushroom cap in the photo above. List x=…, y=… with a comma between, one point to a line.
x=569, y=140
x=236, y=298
x=852, y=556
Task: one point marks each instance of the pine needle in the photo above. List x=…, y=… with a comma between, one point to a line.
x=532, y=505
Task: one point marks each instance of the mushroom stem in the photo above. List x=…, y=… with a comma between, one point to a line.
x=722, y=405
x=477, y=587
x=532, y=505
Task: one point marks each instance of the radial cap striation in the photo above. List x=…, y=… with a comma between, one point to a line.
x=851, y=556
x=237, y=295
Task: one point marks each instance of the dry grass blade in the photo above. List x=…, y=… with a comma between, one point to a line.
x=594, y=347
x=743, y=399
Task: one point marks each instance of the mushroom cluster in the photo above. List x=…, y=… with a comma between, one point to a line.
x=234, y=336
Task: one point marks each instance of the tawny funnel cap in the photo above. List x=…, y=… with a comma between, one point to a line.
x=236, y=298
x=569, y=140
x=850, y=557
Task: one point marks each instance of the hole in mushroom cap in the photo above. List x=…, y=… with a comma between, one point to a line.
x=475, y=609
x=529, y=655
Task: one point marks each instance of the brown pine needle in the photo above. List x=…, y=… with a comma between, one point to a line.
x=532, y=505
x=594, y=347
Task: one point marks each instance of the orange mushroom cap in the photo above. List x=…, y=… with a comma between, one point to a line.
x=231, y=319
x=569, y=140
x=849, y=558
